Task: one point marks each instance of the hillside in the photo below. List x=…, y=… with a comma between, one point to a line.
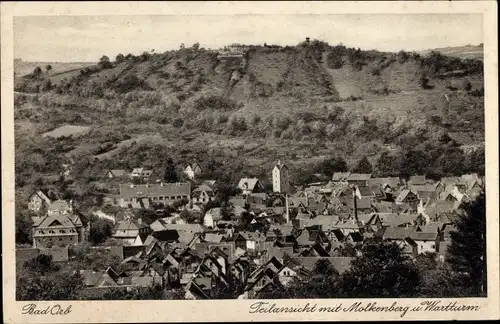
x=22, y=68
x=462, y=52
x=238, y=114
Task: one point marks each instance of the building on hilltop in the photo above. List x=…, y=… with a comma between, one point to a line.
x=280, y=178
x=140, y=196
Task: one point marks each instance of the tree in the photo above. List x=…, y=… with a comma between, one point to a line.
x=363, y=166
x=23, y=229
x=188, y=217
x=58, y=286
x=37, y=71
x=170, y=173
x=332, y=165
x=119, y=58
x=467, y=251
x=100, y=230
x=382, y=270
x=48, y=67
x=104, y=62
x=196, y=46
x=41, y=265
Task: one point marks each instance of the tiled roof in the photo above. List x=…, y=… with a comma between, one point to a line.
x=397, y=233
x=341, y=264
x=418, y=180
x=155, y=190
x=394, y=182
x=359, y=176
x=118, y=172
x=340, y=176
x=248, y=183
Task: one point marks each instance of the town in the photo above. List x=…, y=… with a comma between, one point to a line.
x=201, y=240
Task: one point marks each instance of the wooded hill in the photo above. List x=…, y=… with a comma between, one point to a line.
x=240, y=113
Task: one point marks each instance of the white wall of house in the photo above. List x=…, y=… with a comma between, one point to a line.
x=286, y=275
x=208, y=220
x=426, y=246
x=251, y=245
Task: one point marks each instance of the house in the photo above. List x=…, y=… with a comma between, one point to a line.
x=359, y=179
x=212, y=217
x=203, y=194
x=248, y=241
x=290, y=270
x=250, y=185
x=391, y=182
x=143, y=174
x=280, y=178
x=193, y=170
x=424, y=242
x=59, y=230
x=406, y=196
x=364, y=205
x=39, y=201
x=340, y=176
x=116, y=174
x=264, y=277
x=131, y=232
x=141, y=195
x=417, y=180
x=60, y=207
x=240, y=201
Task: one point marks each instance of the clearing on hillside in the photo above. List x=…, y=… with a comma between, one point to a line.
x=67, y=130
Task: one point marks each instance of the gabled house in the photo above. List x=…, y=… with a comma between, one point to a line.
x=116, y=174
x=203, y=194
x=193, y=170
x=264, y=277
x=250, y=185
x=406, y=196
x=131, y=232
x=359, y=179
x=58, y=230
x=39, y=201
x=142, y=174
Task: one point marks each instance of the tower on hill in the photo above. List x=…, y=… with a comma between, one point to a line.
x=280, y=178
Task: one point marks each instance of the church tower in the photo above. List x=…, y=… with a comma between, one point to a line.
x=280, y=178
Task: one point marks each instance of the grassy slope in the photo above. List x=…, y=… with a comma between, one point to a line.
x=463, y=52
x=22, y=68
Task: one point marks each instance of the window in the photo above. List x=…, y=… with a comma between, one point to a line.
x=60, y=239
x=433, y=246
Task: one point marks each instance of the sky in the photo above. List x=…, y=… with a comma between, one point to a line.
x=87, y=38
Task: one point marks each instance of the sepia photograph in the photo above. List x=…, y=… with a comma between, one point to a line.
x=250, y=157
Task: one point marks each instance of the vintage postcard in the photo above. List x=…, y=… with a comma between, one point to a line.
x=249, y=161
